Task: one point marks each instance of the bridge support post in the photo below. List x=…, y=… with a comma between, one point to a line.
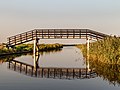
x=88, y=46
x=36, y=53
x=87, y=59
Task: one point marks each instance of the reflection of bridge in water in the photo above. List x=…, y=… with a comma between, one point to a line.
x=51, y=72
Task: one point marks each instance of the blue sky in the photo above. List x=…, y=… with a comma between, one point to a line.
x=18, y=16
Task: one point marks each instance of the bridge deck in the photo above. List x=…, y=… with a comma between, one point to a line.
x=53, y=34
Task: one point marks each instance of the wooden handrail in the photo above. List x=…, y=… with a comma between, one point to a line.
x=53, y=34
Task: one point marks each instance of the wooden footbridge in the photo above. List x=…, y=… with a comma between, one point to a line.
x=51, y=72
x=53, y=34
x=37, y=34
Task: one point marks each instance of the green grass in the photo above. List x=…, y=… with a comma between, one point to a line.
x=29, y=48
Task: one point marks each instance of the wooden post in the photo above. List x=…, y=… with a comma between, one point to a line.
x=42, y=72
x=73, y=73
x=80, y=34
x=88, y=47
x=54, y=72
x=36, y=53
x=15, y=40
x=54, y=34
x=60, y=73
x=67, y=73
x=67, y=33
x=48, y=34
x=26, y=36
x=26, y=69
x=20, y=67
x=15, y=66
x=79, y=73
x=73, y=33
x=48, y=72
x=20, y=38
x=88, y=44
x=32, y=72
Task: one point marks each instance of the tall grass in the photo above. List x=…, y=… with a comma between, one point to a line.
x=106, y=50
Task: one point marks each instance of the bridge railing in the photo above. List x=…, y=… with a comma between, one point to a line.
x=51, y=72
x=53, y=34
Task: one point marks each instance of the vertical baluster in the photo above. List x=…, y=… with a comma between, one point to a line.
x=20, y=38
x=54, y=72
x=32, y=35
x=73, y=73
x=54, y=34
x=48, y=34
x=26, y=69
x=48, y=72
x=79, y=73
x=26, y=36
x=80, y=34
x=42, y=33
x=14, y=40
x=67, y=33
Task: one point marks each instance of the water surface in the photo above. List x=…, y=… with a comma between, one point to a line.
x=68, y=57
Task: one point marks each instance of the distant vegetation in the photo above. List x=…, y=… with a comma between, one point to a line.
x=106, y=50
x=29, y=48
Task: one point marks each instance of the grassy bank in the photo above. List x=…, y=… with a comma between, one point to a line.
x=29, y=48
x=106, y=50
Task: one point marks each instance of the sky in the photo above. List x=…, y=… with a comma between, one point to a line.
x=17, y=16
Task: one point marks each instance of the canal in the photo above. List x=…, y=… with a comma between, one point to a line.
x=64, y=69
